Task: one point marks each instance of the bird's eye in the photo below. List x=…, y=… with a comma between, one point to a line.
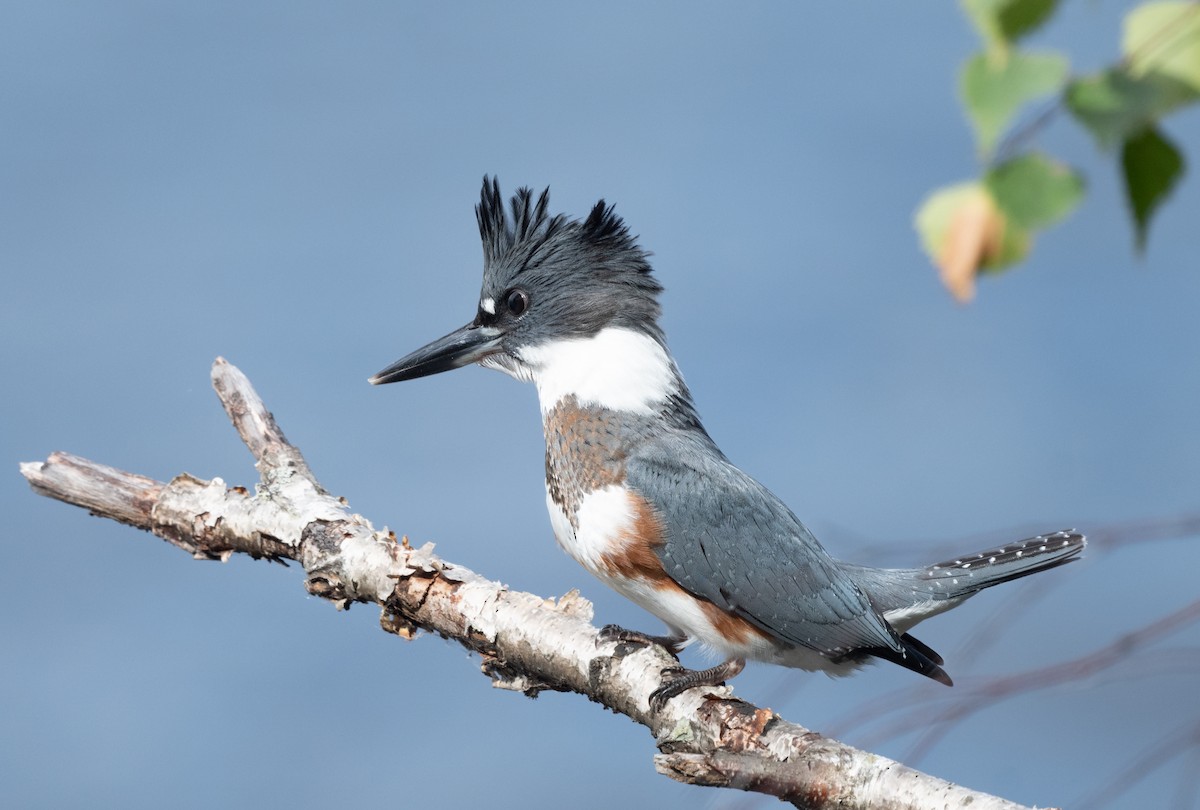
x=517, y=302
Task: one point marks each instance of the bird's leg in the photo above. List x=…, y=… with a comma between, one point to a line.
x=685, y=679
x=672, y=644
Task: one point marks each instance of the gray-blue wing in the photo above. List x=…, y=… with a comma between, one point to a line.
x=731, y=541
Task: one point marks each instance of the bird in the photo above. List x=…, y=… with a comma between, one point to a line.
x=642, y=497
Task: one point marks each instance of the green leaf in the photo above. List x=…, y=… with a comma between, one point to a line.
x=1164, y=38
x=1034, y=191
x=994, y=88
x=1151, y=165
x=1020, y=17
x=1003, y=22
x=1115, y=104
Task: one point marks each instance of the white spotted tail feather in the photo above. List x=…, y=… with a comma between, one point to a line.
x=906, y=596
x=974, y=572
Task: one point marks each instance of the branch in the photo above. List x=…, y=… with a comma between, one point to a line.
x=528, y=644
x=909, y=710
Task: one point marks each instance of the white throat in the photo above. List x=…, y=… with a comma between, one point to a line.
x=617, y=369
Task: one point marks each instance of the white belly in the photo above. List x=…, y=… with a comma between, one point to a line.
x=603, y=519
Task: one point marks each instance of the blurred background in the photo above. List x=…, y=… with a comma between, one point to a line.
x=290, y=186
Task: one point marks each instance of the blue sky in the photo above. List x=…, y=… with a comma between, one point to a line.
x=290, y=186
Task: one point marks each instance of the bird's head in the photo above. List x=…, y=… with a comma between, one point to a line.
x=548, y=282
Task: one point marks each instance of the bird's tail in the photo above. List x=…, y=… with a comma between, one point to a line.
x=906, y=596
x=966, y=575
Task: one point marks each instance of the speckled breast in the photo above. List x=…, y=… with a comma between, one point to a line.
x=586, y=450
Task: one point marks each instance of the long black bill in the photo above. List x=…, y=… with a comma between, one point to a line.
x=469, y=344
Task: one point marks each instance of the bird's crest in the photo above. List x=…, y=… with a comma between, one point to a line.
x=526, y=235
x=528, y=219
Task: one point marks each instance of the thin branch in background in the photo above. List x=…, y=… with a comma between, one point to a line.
x=1107, y=538
x=1002, y=618
x=911, y=708
x=992, y=691
x=1017, y=138
x=1162, y=663
x=1183, y=740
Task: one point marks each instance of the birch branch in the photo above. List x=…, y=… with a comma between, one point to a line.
x=528, y=644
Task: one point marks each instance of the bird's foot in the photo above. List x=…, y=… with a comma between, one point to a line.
x=685, y=679
x=613, y=632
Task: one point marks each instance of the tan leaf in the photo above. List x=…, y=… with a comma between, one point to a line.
x=973, y=236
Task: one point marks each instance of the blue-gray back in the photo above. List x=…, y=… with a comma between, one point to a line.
x=731, y=541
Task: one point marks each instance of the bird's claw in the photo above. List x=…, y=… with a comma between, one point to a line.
x=684, y=679
x=676, y=681
x=659, y=698
x=615, y=632
x=621, y=635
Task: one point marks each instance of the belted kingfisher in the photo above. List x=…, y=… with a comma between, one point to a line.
x=642, y=497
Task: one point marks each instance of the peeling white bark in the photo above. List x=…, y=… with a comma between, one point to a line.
x=705, y=736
